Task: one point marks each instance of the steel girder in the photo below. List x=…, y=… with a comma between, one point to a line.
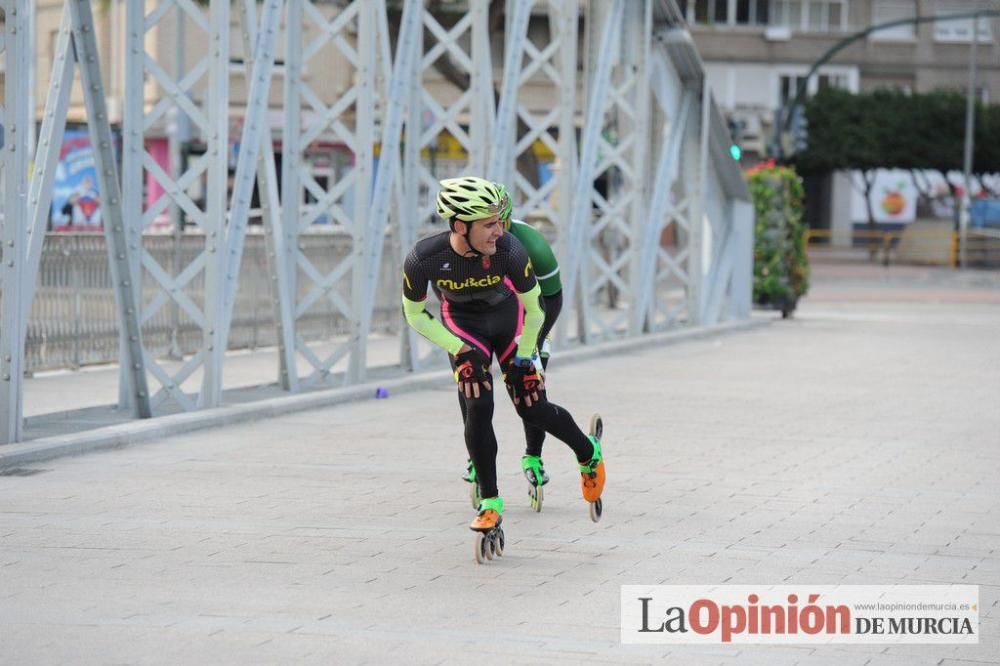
x=435, y=108
x=553, y=63
x=602, y=249
x=726, y=234
x=260, y=53
x=123, y=277
x=389, y=193
x=201, y=93
x=354, y=33
x=26, y=204
x=14, y=280
x=267, y=183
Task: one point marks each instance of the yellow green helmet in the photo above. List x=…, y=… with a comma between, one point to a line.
x=469, y=199
x=505, y=206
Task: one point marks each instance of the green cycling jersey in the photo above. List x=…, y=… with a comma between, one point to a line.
x=542, y=257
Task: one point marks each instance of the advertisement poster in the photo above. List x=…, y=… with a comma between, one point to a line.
x=893, y=198
x=76, y=201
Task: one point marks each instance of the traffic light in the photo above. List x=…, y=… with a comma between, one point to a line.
x=800, y=129
x=736, y=134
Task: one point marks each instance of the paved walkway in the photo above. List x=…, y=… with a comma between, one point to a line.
x=856, y=443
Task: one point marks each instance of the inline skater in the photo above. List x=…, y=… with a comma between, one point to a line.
x=489, y=296
x=546, y=267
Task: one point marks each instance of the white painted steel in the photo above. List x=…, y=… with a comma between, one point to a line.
x=644, y=112
x=122, y=277
x=14, y=280
x=282, y=299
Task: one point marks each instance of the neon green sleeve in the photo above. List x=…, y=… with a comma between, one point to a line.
x=424, y=323
x=534, y=316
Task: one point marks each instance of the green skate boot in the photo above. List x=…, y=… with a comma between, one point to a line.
x=470, y=478
x=534, y=471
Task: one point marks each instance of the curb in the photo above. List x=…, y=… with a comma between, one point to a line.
x=136, y=432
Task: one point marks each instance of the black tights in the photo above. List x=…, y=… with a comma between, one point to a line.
x=481, y=441
x=534, y=435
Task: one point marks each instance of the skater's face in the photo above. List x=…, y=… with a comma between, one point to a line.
x=485, y=233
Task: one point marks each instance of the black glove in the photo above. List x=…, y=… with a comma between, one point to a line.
x=470, y=368
x=523, y=378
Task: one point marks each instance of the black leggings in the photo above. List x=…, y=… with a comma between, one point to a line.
x=492, y=332
x=534, y=436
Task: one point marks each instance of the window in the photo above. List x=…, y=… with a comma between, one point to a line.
x=789, y=85
x=752, y=12
x=726, y=12
x=960, y=30
x=894, y=10
x=844, y=78
x=828, y=81
x=810, y=15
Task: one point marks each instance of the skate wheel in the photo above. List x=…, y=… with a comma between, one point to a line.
x=474, y=495
x=596, y=426
x=500, y=542
x=491, y=546
x=536, y=499
x=479, y=548
x=596, y=509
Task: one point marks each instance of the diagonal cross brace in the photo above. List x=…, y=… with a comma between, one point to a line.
x=579, y=221
x=252, y=136
x=114, y=228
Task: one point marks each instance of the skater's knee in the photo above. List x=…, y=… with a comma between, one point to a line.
x=481, y=407
x=534, y=414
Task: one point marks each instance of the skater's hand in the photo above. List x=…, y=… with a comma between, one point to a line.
x=471, y=370
x=525, y=381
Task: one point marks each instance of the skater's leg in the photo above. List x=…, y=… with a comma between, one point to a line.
x=470, y=472
x=534, y=436
x=557, y=422
x=481, y=441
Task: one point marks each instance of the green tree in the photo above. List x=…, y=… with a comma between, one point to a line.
x=895, y=130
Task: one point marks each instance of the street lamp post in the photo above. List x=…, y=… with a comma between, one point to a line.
x=970, y=125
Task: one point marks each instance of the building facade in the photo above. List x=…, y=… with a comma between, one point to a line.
x=756, y=51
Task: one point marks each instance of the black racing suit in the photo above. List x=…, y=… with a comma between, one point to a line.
x=483, y=301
